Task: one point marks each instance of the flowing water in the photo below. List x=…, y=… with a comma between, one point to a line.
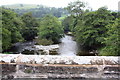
x=68, y=46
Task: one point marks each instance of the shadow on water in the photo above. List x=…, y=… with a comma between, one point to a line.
x=23, y=47
x=86, y=51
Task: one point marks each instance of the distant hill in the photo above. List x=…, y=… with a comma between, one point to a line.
x=37, y=10
x=22, y=6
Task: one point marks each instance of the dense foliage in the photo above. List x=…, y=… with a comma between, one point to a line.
x=91, y=30
x=0, y=30
x=50, y=28
x=68, y=23
x=29, y=31
x=11, y=25
x=25, y=28
x=94, y=30
x=112, y=40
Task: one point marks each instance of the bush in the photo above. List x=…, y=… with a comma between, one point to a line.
x=43, y=42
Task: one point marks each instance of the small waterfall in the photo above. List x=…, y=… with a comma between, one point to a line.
x=68, y=47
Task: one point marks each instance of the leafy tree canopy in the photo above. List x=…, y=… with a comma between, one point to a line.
x=50, y=28
x=11, y=25
x=29, y=31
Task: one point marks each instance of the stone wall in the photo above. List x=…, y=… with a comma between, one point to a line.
x=53, y=59
x=11, y=71
x=59, y=67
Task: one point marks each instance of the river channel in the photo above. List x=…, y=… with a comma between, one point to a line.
x=68, y=46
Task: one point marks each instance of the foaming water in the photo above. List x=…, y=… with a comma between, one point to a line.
x=68, y=47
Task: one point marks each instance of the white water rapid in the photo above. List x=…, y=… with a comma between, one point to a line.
x=68, y=47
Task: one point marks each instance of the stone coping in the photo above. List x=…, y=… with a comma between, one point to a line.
x=55, y=59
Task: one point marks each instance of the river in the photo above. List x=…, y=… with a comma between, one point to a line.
x=68, y=46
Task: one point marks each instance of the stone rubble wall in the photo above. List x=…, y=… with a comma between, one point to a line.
x=60, y=71
x=60, y=67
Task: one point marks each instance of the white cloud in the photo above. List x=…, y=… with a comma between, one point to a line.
x=95, y=4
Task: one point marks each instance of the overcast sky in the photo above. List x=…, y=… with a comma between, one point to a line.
x=94, y=4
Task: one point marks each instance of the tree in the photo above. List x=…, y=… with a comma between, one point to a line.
x=6, y=39
x=11, y=25
x=112, y=41
x=76, y=10
x=29, y=31
x=0, y=29
x=50, y=29
x=67, y=23
x=90, y=31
